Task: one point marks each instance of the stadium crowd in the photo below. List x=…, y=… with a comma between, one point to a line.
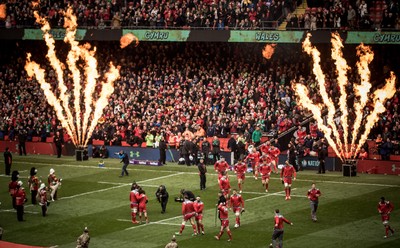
x=171, y=87
x=219, y=15
x=168, y=89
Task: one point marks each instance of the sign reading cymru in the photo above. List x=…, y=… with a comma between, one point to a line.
x=373, y=38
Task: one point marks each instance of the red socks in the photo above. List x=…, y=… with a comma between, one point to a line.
x=182, y=227
x=230, y=234
x=194, y=228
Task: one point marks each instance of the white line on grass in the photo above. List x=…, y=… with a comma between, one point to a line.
x=157, y=222
x=149, y=185
x=118, y=186
x=267, y=195
x=94, y=191
x=211, y=174
x=13, y=210
x=112, y=183
x=261, y=193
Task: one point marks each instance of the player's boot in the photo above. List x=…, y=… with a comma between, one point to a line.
x=216, y=237
x=178, y=233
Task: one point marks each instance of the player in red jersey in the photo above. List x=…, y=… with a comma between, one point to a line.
x=385, y=208
x=221, y=166
x=224, y=185
x=142, y=206
x=313, y=194
x=188, y=213
x=278, y=230
x=240, y=170
x=265, y=172
x=223, y=216
x=254, y=157
x=274, y=154
x=264, y=148
x=134, y=198
x=237, y=205
x=288, y=174
x=199, y=207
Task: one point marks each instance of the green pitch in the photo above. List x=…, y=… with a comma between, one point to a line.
x=97, y=198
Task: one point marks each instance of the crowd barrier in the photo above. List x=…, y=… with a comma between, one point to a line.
x=312, y=163
x=140, y=153
x=379, y=167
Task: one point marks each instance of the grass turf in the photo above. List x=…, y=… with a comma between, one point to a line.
x=98, y=198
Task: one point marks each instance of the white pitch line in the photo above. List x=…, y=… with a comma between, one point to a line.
x=112, y=183
x=267, y=195
x=13, y=210
x=94, y=191
x=169, y=224
x=118, y=186
x=156, y=222
x=149, y=185
x=153, y=223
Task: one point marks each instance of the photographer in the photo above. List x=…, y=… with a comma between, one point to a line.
x=162, y=197
x=125, y=160
x=188, y=193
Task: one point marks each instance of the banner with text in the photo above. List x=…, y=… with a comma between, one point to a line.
x=266, y=36
x=159, y=34
x=373, y=37
x=58, y=34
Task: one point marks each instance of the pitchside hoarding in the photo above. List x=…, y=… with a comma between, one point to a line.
x=165, y=35
x=312, y=163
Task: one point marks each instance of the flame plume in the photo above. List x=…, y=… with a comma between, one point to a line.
x=380, y=97
x=317, y=70
x=361, y=91
x=268, y=50
x=341, y=67
x=3, y=11
x=76, y=119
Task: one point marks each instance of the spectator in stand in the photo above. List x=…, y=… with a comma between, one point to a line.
x=386, y=149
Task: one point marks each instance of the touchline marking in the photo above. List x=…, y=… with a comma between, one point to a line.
x=95, y=191
x=277, y=193
x=118, y=186
x=13, y=210
x=112, y=183
x=156, y=223
x=267, y=195
x=149, y=185
x=208, y=174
